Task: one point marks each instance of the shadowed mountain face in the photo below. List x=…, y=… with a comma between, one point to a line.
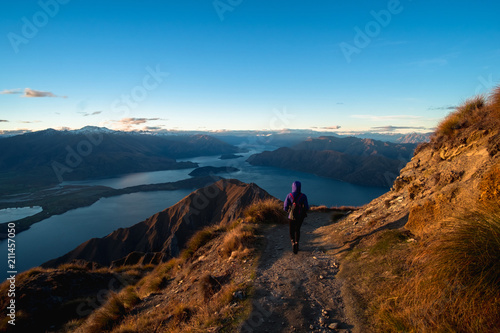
x=359, y=147
x=50, y=156
x=164, y=234
x=358, y=161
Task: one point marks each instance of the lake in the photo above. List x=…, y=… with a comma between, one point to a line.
x=59, y=234
x=13, y=214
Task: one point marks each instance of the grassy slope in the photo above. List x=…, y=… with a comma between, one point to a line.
x=208, y=287
x=425, y=257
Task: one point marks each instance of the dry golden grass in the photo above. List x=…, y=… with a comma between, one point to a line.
x=477, y=113
x=454, y=283
x=266, y=211
x=372, y=269
x=158, y=278
x=237, y=242
x=198, y=240
x=109, y=315
x=465, y=115
x=495, y=103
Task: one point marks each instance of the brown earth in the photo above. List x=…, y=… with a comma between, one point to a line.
x=299, y=292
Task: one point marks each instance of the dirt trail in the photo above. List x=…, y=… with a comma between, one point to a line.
x=298, y=292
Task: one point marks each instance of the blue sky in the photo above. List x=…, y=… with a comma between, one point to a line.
x=243, y=64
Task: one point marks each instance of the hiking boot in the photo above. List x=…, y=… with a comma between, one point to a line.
x=295, y=247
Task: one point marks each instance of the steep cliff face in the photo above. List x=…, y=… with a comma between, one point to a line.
x=163, y=235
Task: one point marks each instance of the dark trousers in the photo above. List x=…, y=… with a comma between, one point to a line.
x=295, y=229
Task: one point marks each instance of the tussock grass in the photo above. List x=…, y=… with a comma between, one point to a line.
x=372, y=269
x=495, y=102
x=266, y=211
x=476, y=113
x=237, y=242
x=463, y=116
x=117, y=305
x=158, y=278
x=75, y=267
x=199, y=239
x=454, y=283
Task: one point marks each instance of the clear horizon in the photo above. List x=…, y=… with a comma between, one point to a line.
x=380, y=66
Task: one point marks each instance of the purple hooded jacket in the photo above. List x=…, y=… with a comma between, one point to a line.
x=296, y=193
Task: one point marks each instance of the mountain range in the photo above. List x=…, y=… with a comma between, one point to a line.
x=48, y=157
x=358, y=161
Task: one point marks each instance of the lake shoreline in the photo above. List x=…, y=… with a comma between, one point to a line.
x=57, y=201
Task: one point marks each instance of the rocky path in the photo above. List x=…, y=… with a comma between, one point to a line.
x=298, y=292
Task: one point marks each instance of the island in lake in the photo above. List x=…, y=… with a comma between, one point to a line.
x=229, y=156
x=210, y=170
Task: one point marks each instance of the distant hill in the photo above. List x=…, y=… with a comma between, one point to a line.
x=164, y=234
x=358, y=161
x=50, y=156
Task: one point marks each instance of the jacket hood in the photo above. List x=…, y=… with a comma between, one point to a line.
x=296, y=186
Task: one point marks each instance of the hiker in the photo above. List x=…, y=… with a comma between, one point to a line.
x=296, y=205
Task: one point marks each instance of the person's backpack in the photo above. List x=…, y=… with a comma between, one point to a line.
x=296, y=210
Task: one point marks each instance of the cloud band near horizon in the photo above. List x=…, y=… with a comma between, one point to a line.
x=29, y=93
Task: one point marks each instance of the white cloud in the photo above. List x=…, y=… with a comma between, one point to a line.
x=11, y=91
x=37, y=93
x=391, y=128
x=136, y=121
x=30, y=93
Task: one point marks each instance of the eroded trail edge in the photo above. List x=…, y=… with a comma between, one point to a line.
x=298, y=292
